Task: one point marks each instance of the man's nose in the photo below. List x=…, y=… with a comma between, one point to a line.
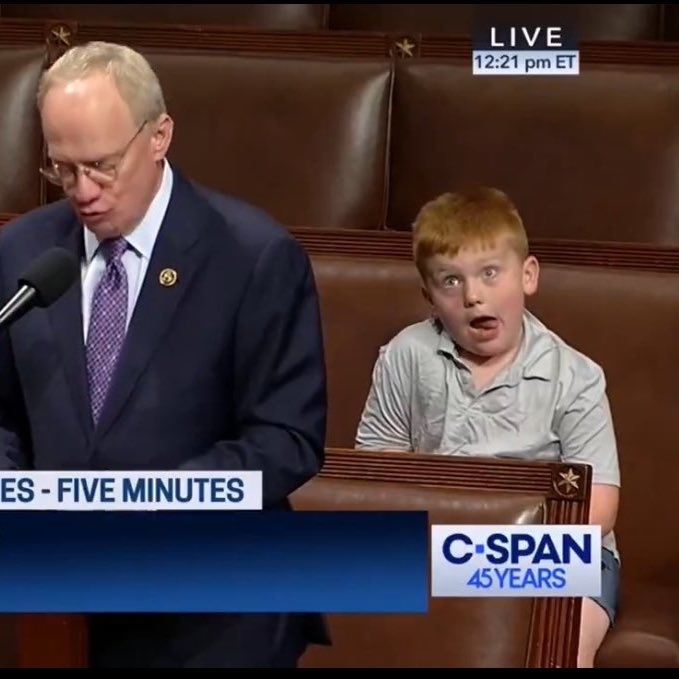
x=85, y=190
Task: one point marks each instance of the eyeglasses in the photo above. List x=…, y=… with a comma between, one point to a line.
x=103, y=172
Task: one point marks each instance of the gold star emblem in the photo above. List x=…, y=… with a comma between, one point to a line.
x=62, y=35
x=167, y=277
x=405, y=47
x=568, y=481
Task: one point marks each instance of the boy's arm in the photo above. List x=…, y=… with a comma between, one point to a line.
x=588, y=436
x=385, y=421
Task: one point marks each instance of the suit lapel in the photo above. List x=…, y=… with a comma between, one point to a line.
x=67, y=324
x=177, y=256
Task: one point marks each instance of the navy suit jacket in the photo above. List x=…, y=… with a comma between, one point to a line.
x=222, y=371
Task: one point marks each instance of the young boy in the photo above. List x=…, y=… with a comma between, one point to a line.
x=483, y=376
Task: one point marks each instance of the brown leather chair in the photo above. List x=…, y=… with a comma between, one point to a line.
x=585, y=158
x=304, y=138
x=456, y=632
x=20, y=138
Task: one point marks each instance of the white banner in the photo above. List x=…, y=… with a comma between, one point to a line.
x=516, y=561
x=130, y=491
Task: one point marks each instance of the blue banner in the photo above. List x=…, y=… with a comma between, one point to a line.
x=331, y=562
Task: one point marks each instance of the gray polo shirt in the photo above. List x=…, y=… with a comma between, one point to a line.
x=549, y=404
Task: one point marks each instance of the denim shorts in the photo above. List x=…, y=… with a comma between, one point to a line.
x=610, y=584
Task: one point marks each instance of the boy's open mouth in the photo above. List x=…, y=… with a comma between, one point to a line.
x=484, y=323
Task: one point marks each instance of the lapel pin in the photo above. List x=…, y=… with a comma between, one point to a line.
x=167, y=277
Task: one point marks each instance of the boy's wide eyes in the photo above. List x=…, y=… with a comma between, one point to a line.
x=488, y=272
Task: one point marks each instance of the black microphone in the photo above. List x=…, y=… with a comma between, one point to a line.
x=48, y=277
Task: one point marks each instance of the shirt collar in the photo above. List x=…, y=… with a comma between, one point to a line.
x=533, y=359
x=143, y=236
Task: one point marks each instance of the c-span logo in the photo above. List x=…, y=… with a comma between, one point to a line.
x=516, y=561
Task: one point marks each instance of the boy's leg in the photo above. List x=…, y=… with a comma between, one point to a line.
x=598, y=614
x=594, y=623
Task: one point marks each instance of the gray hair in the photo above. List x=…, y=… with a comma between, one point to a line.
x=136, y=81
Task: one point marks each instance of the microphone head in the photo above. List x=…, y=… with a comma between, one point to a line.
x=51, y=275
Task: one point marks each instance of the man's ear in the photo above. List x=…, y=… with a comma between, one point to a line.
x=162, y=136
x=531, y=274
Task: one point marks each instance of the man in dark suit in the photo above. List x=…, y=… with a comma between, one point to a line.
x=191, y=341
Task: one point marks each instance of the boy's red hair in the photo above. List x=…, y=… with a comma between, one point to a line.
x=476, y=217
